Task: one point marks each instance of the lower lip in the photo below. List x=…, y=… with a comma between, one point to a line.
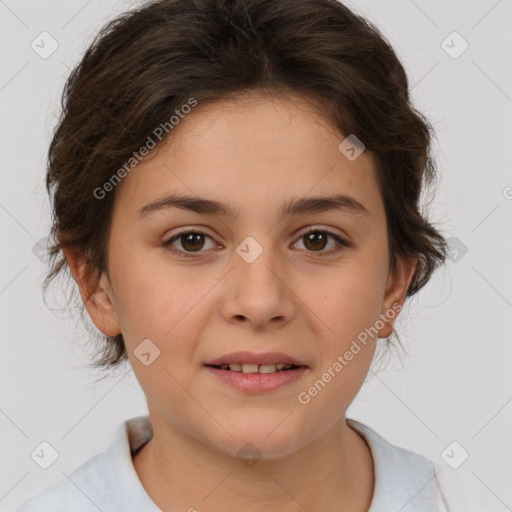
x=257, y=382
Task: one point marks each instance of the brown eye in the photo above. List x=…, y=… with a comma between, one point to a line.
x=316, y=240
x=190, y=242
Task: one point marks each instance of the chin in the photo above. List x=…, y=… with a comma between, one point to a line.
x=257, y=443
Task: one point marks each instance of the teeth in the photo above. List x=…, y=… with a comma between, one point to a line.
x=267, y=368
x=250, y=368
x=255, y=368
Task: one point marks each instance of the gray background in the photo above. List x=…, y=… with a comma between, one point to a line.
x=455, y=382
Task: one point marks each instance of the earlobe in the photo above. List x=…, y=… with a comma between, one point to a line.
x=396, y=292
x=105, y=315
x=96, y=294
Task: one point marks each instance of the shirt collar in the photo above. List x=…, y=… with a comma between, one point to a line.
x=130, y=436
x=404, y=480
x=401, y=477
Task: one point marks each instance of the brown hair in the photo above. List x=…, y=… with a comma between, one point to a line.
x=145, y=64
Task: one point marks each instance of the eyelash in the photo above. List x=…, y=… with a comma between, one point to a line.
x=317, y=254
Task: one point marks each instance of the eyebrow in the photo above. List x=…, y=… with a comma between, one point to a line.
x=300, y=206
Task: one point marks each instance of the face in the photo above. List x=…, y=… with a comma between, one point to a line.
x=254, y=281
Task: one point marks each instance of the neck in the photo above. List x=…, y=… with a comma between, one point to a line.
x=180, y=472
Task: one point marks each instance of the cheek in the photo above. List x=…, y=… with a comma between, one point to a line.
x=350, y=310
x=158, y=302
x=348, y=301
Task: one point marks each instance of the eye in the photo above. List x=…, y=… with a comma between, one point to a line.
x=190, y=241
x=317, y=239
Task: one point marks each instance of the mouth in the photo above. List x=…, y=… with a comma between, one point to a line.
x=237, y=361
x=256, y=373
x=256, y=368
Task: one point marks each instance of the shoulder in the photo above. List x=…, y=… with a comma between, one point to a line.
x=408, y=480
x=77, y=491
x=107, y=481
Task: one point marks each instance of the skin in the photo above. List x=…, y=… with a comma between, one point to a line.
x=288, y=300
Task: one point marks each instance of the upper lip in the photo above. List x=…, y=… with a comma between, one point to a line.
x=253, y=358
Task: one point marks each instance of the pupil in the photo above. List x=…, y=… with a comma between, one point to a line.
x=192, y=238
x=315, y=238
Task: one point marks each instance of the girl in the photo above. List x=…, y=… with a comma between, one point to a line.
x=235, y=187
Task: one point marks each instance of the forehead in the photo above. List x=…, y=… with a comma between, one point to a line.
x=252, y=151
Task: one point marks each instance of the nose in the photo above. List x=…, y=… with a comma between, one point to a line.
x=259, y=291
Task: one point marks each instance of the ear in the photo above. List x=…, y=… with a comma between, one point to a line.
x=96, y=293
x=396, y=292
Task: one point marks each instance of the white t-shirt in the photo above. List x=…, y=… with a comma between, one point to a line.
x=404, y=481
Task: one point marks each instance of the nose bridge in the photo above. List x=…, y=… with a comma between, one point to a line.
x=258, y=290
x=259, y=262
